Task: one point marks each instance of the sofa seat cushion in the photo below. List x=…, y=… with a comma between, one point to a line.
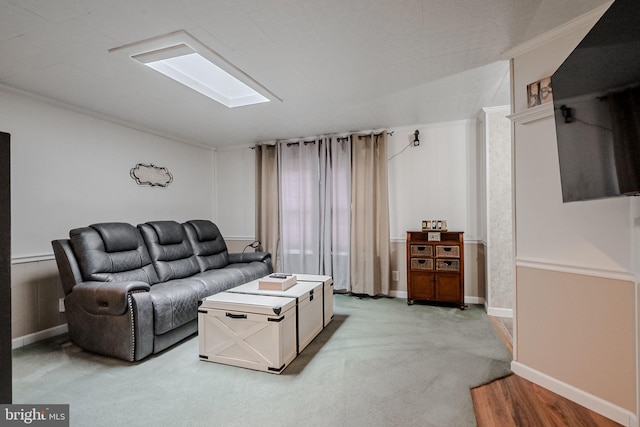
x=233, y=275
x=219, y=280
x=250, y=271
x=175, y=303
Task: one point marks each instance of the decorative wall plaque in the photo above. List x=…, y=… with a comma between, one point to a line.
x=151, y=175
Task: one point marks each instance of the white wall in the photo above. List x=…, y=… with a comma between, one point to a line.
x=576, y=288
x=575, y=232
x=575, y=228
x=435, y=180
x=70, y=170
x=235, y=197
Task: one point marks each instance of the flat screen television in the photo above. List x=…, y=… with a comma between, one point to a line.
x=596, y=99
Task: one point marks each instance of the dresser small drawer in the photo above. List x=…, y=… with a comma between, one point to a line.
x=448, y=265
x=448, y=251
x=421, y=250
x=421, y=264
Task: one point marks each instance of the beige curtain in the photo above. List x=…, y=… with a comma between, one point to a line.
x=370, y=238
x=267, y=202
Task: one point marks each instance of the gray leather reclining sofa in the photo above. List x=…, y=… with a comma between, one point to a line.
x=134, y=291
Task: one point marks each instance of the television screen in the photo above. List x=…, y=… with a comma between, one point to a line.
x=596, y=97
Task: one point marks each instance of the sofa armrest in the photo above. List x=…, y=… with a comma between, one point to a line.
x=106, y=298
x=68, y=267
x=249, y=257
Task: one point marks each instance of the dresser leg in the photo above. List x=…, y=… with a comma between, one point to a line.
x=409, y=302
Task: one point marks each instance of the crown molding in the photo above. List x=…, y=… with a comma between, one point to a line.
x=96, y=115
x=588, y=19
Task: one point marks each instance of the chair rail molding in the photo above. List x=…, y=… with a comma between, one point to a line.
x=24, y=259
x=543, y=264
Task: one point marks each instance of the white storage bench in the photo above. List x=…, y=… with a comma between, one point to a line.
x=251, y=331
x=264, y=329
x=327, y=300
x=308, y=296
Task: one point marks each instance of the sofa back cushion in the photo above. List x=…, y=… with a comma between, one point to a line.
x=208, y=244
x=112, y=252
x=170, y=250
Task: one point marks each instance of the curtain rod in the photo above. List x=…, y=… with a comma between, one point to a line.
x=296, y=141
x=289, y=144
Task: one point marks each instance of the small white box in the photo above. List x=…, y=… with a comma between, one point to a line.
x=309, y=298
x=251, y=331
x=327, y=301
x=277, y=282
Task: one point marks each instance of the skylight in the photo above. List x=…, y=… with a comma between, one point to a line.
x=182, y=58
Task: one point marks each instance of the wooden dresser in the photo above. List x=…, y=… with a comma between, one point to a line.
x=435, y=267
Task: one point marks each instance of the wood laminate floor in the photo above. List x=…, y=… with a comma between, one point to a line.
x=514, y=401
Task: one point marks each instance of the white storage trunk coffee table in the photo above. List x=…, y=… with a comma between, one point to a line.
x=327, y=300
x=309, y=302
x=251, y=331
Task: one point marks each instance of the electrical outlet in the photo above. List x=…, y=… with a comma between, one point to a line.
x=394, y=276
x=61, y=305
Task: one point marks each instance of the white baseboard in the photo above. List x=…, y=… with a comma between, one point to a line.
x=473, y=300
x=39, y=336
x=581, y=397
x=500, y=312
x=398, y=294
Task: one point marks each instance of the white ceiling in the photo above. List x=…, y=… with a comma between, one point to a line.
x=338, y=65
